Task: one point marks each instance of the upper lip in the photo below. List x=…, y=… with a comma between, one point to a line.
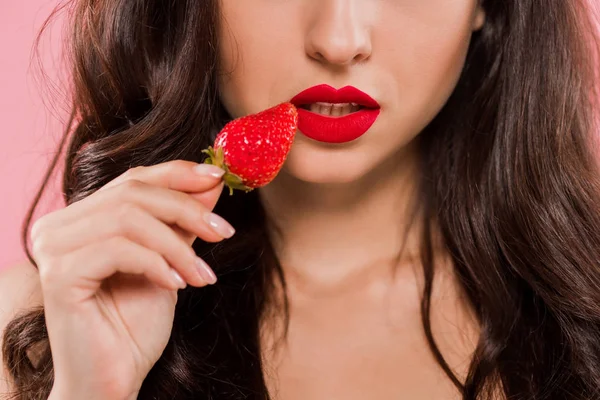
x=327, y=94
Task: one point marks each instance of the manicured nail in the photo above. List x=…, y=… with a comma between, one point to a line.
x=219, y=225
x=209, y=170
x=205, y=271
x=178, y=279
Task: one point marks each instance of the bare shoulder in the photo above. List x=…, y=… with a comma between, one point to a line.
x=20, y=290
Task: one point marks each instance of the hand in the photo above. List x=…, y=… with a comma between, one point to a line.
x=110, y=266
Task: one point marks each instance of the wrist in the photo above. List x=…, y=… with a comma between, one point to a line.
x=56, y=394
x=61, y=394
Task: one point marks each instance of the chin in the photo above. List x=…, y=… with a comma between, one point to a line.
x=325, y=167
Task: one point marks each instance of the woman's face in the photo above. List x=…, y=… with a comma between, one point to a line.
x=406, y=54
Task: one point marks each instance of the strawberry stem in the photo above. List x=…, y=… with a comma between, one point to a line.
x=232, y=180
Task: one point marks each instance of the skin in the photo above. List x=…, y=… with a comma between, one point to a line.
x=355, y=329
x=136, y=258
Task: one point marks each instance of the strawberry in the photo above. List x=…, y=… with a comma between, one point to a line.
x=252, y=149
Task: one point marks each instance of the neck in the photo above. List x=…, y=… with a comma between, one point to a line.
x=334, y=233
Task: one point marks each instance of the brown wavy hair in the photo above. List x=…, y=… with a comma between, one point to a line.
x=509, y=175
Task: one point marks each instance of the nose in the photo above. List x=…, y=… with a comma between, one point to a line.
x=336, y=35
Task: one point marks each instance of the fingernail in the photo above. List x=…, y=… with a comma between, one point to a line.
x=205, y=271
x=220, y=226
x=178, y=279
x=209, y=170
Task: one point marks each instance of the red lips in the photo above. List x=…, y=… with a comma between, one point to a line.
x=335, y=129
x=328, y=94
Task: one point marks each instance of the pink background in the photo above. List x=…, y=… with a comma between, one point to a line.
x=31, y=129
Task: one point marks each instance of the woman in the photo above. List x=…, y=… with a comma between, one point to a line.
x=449, y=251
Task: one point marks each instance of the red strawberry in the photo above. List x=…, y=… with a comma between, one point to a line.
x=252, y=149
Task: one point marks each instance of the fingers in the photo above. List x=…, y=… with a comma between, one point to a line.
x=161, y=209
x=169, y=206
x=185, y=176
x=209, y=197
x=178, y=175
x=89, y=266
x=138, y=225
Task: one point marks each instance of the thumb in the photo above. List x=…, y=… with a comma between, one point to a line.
x=208, y=199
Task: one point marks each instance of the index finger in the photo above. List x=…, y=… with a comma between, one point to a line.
x=177, y=175
x=181, y=175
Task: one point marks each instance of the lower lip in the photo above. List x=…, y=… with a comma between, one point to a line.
x=336, y=129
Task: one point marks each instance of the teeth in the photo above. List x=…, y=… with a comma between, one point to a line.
x=333, y=110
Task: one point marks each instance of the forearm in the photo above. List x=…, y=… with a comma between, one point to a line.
x=58, y=394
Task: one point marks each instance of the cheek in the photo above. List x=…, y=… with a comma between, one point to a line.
x=255, y=39
x=425, y=52
x=253, y=75
x=434, y=70
x=428, y=42
x=435, y=63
